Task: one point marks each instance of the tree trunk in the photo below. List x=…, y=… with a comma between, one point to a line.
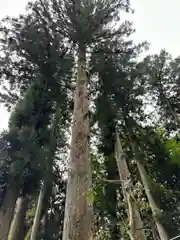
x=155, y=209
x=46, y=188
x=136, y=231
x=111, y=196
x=7, y=210
x=17, y=225
x=112, y=174
x=38, y=214
x=78, y=212
x=28, y=234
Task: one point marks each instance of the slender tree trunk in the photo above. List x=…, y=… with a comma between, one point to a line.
x=155, y=209
x=46, y=188
x=135, y=223
x=17, y=226
x=78, y=213
x=38, y=214
x=28, y=234
x=111, y=196
x=7, y=210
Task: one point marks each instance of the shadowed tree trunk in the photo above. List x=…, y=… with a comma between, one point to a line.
x=17, y=226
x=108, y=150
x=111, y=196
x=78, y=212
x=7, y=209
x=136, y=231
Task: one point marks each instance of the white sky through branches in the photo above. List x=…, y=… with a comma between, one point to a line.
x=156, y=21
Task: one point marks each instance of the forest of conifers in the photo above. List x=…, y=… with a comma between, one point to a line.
x=92, y=151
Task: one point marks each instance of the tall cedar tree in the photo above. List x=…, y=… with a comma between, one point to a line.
x=84, y=23
x=116, y=90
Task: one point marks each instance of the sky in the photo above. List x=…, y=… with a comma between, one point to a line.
x=156, y=21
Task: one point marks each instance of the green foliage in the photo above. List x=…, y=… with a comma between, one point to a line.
x=37, y=63
x=41, y=74
x=162, y=84
x=85, y=22
x=173, y=147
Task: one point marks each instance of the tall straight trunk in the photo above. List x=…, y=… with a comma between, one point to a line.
x=154, y=207
x=46, y=188
x=7, y=209
x=44, y=195
x=111, y=196
x=39, y=211
x=136, y=231
x=17, y=226
x=78, y=212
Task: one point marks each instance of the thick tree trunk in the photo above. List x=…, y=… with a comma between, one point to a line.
x=17, y=226
x=78, y=212
x=7, y=210
x=155, y=209
x=136, y=231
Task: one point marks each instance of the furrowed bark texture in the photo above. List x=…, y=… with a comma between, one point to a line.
x=136, y=231
x=17, y=226
x=7, y=210
x=78, y=213
x=155, y=209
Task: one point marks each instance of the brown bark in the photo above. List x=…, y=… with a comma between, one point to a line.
x=78, y=213
x=154, y=207
x=136, y=231
x=7, y=210
x=17, y=226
